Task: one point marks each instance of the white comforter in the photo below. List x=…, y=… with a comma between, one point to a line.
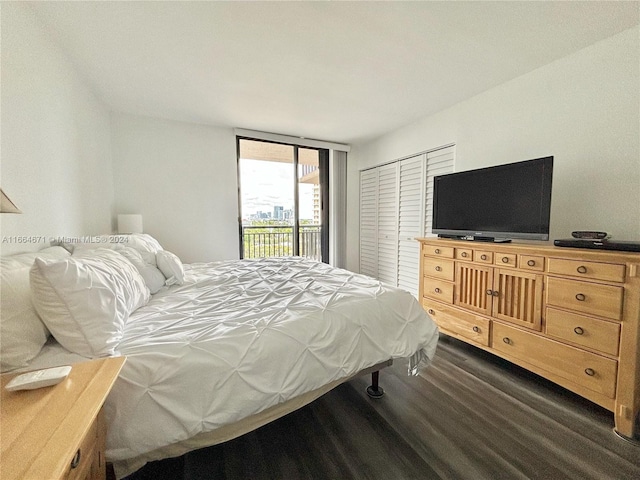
x=241, y=336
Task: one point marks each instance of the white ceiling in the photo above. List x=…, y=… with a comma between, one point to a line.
x=335, y=71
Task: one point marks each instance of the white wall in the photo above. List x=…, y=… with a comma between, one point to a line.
x=56, y=165
x=183, y=179
x=55, y=140
x=583, y=109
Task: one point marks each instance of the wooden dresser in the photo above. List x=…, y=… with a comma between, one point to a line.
x=58, y=432
x=569, y=315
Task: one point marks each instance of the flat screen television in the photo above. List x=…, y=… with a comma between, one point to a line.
x=495, y=203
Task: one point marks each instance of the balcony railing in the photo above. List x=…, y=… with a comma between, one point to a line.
x=277, y=241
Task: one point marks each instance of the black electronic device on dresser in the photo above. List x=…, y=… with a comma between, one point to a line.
x=618, y=245
x=495, y=203
x=596, y=240
x=589, y=235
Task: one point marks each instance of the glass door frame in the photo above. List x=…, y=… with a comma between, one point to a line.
x=323, y=173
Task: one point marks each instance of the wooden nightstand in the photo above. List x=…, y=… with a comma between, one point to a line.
x=58, y=432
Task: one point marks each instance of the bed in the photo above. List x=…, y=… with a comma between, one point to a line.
x=225, y=347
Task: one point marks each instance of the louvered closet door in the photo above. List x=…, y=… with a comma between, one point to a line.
x=439, y=162
x=395, y=207
x=369, y=222
x=388, y=223
x=410, y=221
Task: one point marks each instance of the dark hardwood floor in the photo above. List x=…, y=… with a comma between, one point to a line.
x=470, y=415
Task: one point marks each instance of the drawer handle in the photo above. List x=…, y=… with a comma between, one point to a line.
x=476, y=329
x=505, y=259
x=578, y=330
x=437, y=251
x=76, y=459
x=431, y=311
x=483, y=257
x=590, y=371
x=580, y=297
x=437, y=290
x=531, y=263
x=507, y=340
x=582, y=269
x=438, y=269
x=463, y=254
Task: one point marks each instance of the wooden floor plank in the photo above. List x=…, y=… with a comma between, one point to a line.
x=470, y=415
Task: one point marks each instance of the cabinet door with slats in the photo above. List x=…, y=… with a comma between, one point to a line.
x=517, y=298
x=474, y=287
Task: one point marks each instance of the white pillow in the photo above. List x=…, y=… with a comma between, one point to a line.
x=143, y=242
x=85, y=300
x=153, y=278
x=171, y=267
x=22, y=333
x=92, y=242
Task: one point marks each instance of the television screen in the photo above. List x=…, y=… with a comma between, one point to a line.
x=501, y=202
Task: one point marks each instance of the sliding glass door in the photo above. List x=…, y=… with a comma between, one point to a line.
x=283, y=200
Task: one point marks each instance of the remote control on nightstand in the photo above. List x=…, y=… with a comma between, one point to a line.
x=38, y=379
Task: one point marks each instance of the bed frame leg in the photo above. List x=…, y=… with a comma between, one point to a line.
x=111, y=473
x=373, y=390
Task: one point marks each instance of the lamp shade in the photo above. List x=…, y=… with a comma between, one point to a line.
x=130, y=223
x=6, y=205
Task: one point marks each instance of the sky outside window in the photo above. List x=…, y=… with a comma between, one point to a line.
x=266, y=185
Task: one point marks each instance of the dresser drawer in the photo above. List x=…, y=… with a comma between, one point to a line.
x=582, y=330
x=592, y=371
x=81, y=464
x=464, y=254
x=437, y=251
x=590, y=270
x=467, y=325
x=438, y=289
x=483, y=256
x=531, y=262
x=590, y=298
x=437, y=267
x=505, y=259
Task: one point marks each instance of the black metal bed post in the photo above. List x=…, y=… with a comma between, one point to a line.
x=374, y=390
